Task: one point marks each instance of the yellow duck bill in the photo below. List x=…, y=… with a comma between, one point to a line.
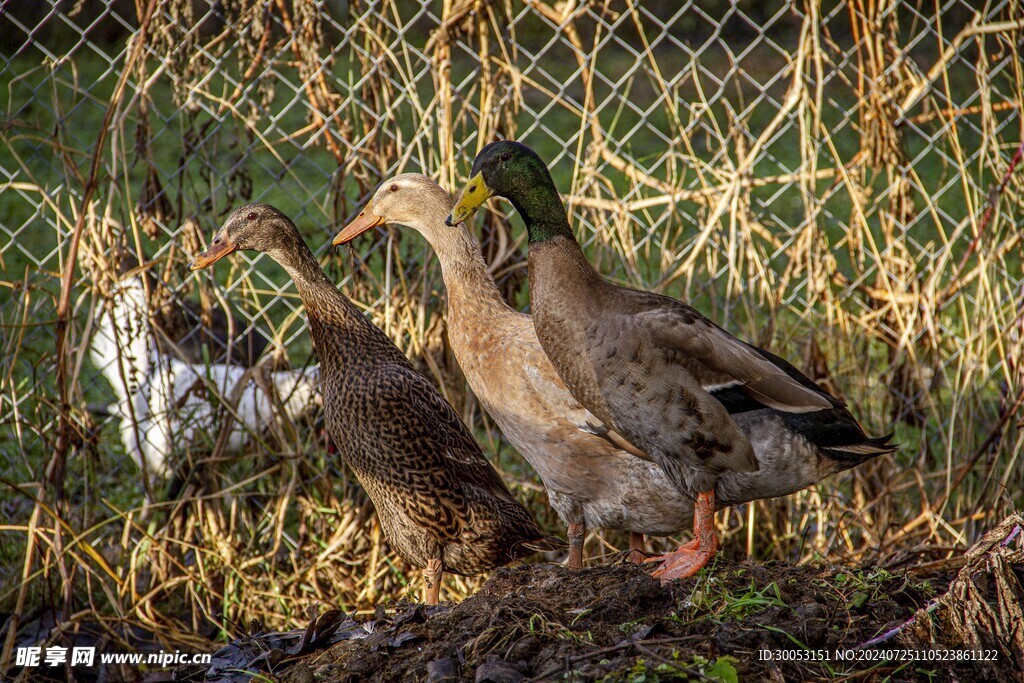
x=366, y=220
x=220, y=247
x=473, y=195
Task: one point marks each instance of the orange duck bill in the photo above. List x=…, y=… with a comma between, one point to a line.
x=691, y=557
x=220, y=247
x=360, y=224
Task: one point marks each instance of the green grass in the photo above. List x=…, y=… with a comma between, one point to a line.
x=719, y=670
x=712, y=599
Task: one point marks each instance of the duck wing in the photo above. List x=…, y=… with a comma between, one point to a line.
x=469, y=495
x=720, y=361
x=549, y=388
x=438, y=436
x=743, y=377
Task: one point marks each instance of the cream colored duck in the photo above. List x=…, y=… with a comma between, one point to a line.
x=593, y=477
x=713, y=411
x=591, y=482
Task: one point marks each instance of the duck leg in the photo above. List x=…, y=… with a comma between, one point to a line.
x=692, y=556
x=577, y=534
x=637, y=548
x=432, y=578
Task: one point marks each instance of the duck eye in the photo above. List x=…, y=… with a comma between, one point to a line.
x=394, y=188
x=216, y=240
x=506, y=156
x=251, y=216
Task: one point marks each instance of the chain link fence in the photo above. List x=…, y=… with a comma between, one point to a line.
x=836, y=182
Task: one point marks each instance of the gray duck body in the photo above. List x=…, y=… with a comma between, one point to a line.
x=697, y=400
x=694, y=421
x=614, y=365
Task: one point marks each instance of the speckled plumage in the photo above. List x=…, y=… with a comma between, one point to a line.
x=436, y=495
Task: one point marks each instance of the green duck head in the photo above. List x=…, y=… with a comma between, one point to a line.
x=514, y=171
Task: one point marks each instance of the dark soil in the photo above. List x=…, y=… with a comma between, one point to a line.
x=734, y=621
x=615, y=623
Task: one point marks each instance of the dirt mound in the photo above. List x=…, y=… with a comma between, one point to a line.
x=544, y=622
x=736, y=621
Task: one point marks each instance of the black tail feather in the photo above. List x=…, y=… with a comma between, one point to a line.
x=857, y=453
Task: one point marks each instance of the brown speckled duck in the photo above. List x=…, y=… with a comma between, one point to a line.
x=703, y=404
x=440, y=503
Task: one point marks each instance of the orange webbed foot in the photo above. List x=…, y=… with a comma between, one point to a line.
x=682, y=564
x=691, y=557
x=690, y=546
x=637, y=548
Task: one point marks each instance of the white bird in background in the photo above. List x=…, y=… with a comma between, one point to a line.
x=166, y=404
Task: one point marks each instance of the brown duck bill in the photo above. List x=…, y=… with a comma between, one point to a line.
x=360, y=224
x=220, y=247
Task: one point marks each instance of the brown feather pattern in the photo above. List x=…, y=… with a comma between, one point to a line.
x=594, y=476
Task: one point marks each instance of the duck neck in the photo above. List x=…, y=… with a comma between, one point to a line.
x=322, y=299
x=537, y=201
x=553, y=247
x=462, y=267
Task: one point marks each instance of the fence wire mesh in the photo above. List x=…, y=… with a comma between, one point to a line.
x=837, y=182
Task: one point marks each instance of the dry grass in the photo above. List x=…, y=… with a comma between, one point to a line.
x=892, y=275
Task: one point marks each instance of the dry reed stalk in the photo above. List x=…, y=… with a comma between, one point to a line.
x=55, y=470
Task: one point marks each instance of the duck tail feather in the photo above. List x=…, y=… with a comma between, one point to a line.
x=864, y=450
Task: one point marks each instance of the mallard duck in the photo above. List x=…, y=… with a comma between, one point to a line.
x=161, y=384
x=591, y=477
x=441, y=504
x=700, y=402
